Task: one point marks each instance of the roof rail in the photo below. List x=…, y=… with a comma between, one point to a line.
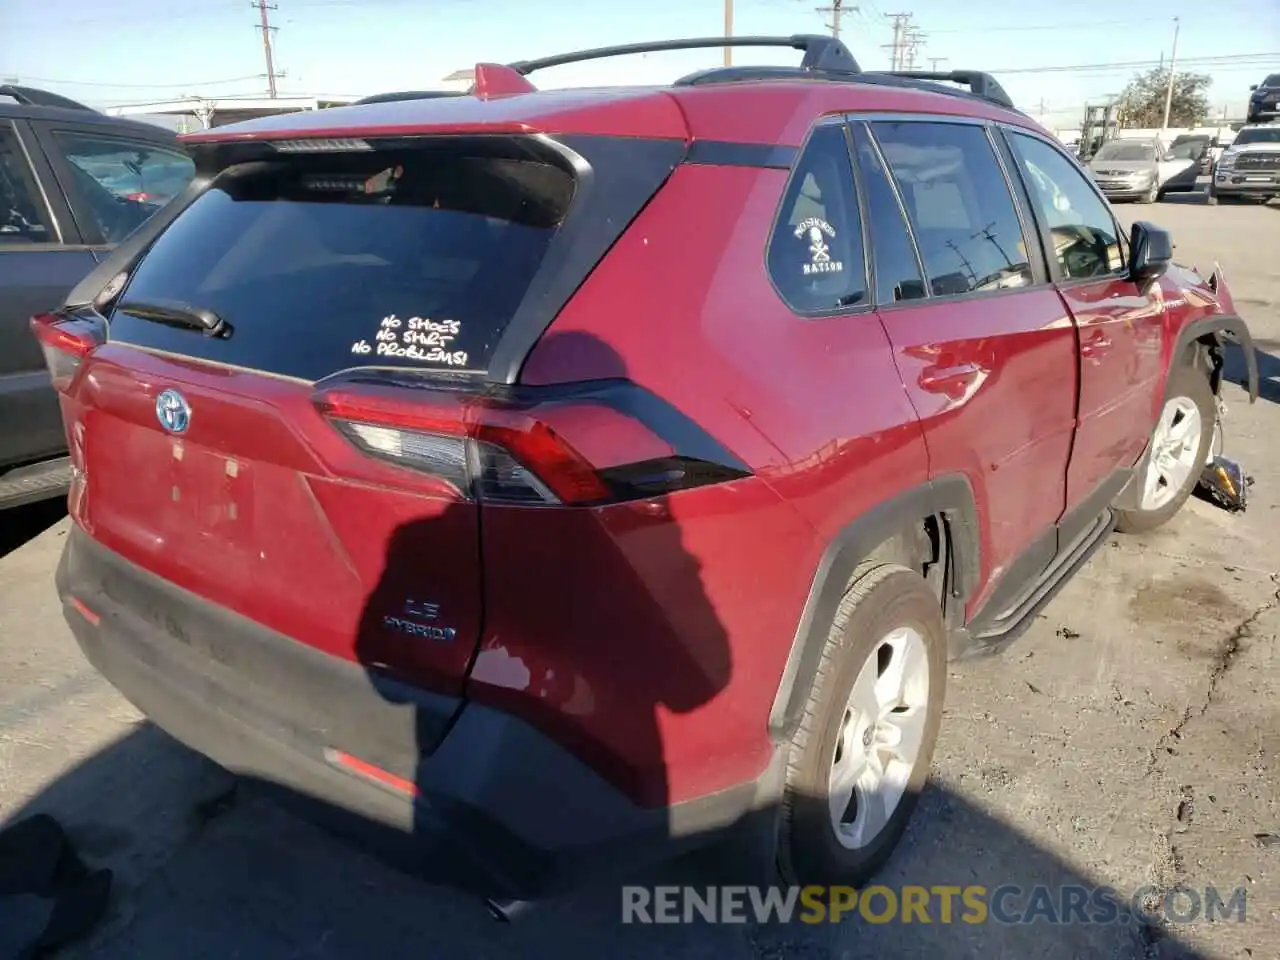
x=31, y=97
x=982, y=85
x=408, y=95
x=821, y=54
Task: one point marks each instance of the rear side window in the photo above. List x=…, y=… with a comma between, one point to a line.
x=411, y=258
x=815, y=254
x=119, y=182
x=897, y=273
x=963, y=215
x=21, y=215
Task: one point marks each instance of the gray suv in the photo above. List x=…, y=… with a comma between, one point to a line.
x=73, y=183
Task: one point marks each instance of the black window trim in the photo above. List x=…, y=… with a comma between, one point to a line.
x=902, y=212
x=1040, y=280
x=868, y=305
x=47, y=132
x=1056, y=275
x=1032, y=239
x=35, y=181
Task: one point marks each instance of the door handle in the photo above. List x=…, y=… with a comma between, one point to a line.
x=951, y=380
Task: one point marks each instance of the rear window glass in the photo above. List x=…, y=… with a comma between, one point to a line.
x=413, y=258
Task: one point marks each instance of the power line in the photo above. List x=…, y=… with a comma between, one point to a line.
x=1226, y=59
x=139, y=86
x=1076, y=25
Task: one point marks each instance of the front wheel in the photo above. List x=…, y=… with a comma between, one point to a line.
x=862, y=752
x=1152, y=195
x=1176, y=453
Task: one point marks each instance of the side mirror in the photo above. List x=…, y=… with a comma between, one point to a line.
x=1253, y=87
x=1151, y=252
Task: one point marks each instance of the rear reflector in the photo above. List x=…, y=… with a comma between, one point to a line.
x=509, y=448
x=84, y=610
x=368, y=771
x=65, y=340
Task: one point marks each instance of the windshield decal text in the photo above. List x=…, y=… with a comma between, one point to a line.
x=415, y=338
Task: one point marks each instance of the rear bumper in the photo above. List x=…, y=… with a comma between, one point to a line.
x=490, y=794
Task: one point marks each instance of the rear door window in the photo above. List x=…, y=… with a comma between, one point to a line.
x=815, y=254
x=117, y=183
x=411, y=258
x=959, y=204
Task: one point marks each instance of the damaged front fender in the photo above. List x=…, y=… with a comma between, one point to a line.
x=1223, y=327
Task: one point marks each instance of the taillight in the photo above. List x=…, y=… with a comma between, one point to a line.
x=65, y=340
x=514, y=448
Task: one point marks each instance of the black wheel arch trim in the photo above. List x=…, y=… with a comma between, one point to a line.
x=949, y=499
x=1226, y=326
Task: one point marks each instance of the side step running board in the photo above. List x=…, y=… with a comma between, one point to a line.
x=39, y=481
x=998, y=635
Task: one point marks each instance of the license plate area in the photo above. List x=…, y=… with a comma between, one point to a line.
x=208, y=492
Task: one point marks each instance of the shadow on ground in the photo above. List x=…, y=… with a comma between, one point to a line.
x=21, y=524
x=227, y=872
x=1189, y=198
x=1268, y=362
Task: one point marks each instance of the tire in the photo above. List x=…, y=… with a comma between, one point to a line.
x=1151, y=195
x=891, y=608
x=1160, y=498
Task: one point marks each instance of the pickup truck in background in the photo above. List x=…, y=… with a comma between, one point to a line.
x=73, y=183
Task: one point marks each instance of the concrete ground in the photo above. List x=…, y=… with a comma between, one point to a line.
x=1130, y=739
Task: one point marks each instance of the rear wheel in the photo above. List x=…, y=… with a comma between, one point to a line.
x=861, y=754
x=1176, y=452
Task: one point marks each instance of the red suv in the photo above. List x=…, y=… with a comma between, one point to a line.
x=572, y=474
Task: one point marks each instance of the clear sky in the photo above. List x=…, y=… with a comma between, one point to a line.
x=122, y=51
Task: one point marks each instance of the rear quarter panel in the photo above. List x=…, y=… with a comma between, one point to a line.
x=684, y=307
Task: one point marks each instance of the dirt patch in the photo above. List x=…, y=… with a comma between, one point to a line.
x=1186, y=599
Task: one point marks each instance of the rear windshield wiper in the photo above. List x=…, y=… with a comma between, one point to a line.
x=178, y=314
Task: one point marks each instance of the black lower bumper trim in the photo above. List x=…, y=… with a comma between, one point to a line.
x=529, y=817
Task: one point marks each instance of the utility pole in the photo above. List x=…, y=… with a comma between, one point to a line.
x=934, y=61
x=728, y=31
x=836, y=9
x=911, y=40
x=897, y=48
x=1173, y=64
x=266, y=29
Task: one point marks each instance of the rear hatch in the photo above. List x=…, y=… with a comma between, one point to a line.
x=243, y=431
